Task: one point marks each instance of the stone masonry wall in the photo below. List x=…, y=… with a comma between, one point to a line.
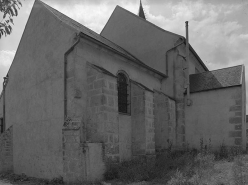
x=215, y=118
x=179, y=83
x=82, y=161
x=149, y=123
x=161, y=121
x=165, y=121
x=143, y=141
x=246, y=132
x=6, y=150
x=102, y=111
x=73, y=167
x=172, y=122
x=235, y=119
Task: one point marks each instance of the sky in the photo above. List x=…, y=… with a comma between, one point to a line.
x=218, y=29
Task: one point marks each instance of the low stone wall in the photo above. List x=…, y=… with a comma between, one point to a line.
x=6, y=150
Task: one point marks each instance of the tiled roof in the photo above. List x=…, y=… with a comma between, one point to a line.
x=216, y=79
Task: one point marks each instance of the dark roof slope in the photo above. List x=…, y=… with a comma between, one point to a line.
x=216, y=79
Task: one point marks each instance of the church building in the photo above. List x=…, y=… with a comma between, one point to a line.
x=74, y=100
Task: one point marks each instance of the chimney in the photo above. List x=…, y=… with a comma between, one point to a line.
x=189, y=102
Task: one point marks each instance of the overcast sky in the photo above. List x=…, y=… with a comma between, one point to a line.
x=218, y=29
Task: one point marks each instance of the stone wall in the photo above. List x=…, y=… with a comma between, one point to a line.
x=82, y=161
x=179, y=83
x=246, y=132
x=6, y=150
x=149, y=122
x=165, y=122
x=235, y=118
x=102, y=111
x=73, y=166
x=172, y=122
x=215, y=116
x=125, y=135
x=143, y=141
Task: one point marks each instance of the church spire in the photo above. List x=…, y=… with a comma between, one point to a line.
x=141, y=11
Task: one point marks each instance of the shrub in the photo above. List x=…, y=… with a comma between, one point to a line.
x=203, y=162
x=143, y=169
x=227, y=153
x=195, y=165
x=137, y=169
x=112, y=171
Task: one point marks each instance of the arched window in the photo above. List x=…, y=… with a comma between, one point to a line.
x=123, y=93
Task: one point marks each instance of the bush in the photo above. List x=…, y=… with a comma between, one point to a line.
x=143, y=169
x=168, y=166
x=112, y=171
x=226, y=153
x=203, y=162
x=138, y=169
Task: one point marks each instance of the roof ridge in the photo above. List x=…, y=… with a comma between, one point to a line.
x=44, y=4
x=218, y=69
x=51, y=9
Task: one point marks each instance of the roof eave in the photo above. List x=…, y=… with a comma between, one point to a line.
x=241, y=76
x=215, y=88
x=196, y=55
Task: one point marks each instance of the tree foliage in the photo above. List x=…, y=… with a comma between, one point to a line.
x=8, y=9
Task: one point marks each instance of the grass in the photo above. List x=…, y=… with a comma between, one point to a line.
x=240, y=169
x=23, y=179
x=141, y=169
x=188, y=167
